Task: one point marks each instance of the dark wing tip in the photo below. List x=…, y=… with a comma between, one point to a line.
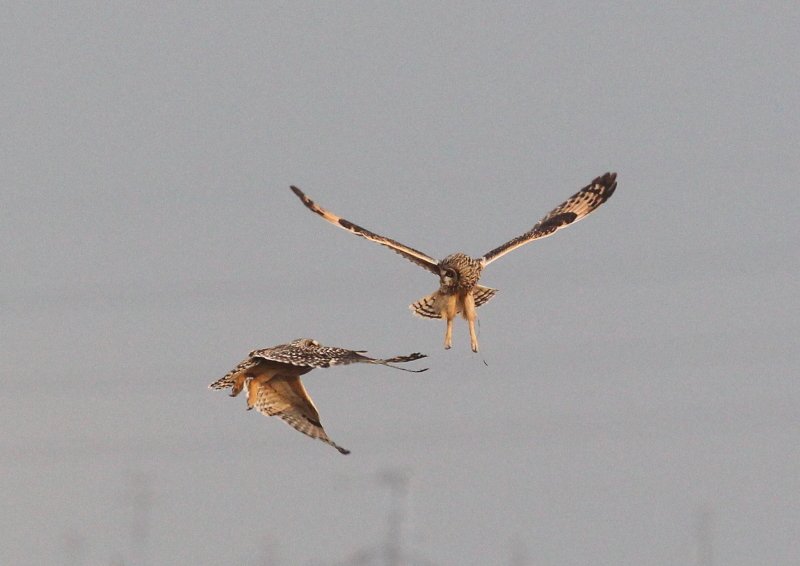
x=608, y=182
x=307, y=202
x=341, y=450
x=404, y=359
x=408, y=358
x=302, y=196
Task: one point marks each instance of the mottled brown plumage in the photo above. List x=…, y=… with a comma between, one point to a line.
x=272, y=377
x=459, y=292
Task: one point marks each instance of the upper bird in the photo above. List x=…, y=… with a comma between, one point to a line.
x=272, y=377
x=458, y=273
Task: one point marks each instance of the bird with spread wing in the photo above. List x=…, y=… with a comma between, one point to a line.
x=272, y=377
x=459, y=292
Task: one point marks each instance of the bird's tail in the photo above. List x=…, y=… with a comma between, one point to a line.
x=433, y=305
x=430, y=306
x=482, y=295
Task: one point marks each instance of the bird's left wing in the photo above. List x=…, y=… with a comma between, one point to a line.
x=302, y=352
x=421, y=259
x=342, y=356
x=286, y=398
x=578, y=206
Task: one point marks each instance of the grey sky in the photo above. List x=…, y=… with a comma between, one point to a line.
x=640, y=367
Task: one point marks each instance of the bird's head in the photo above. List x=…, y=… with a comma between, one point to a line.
x=448, y=277
x=458, y=272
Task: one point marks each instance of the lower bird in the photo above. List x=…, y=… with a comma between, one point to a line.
x=272, y=377
x=459, y=273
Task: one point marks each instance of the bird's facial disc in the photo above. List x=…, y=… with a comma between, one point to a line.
x=448, y=277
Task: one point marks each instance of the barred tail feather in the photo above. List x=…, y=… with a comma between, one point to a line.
x=433, y=305
x=482, y=295
x=429, y=307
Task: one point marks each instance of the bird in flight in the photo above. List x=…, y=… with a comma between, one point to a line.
x=272, y=377
x=459, y=292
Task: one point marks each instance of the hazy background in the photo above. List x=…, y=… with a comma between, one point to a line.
x=639, y=401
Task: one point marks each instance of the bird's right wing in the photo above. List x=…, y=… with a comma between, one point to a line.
x=286, y=398
x=578, y=206
x=423, y=260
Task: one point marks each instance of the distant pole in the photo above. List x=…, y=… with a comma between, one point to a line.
x=705, y=538
x=519, y=552
x=75, y=547
x=141, y=502
x=397, y=482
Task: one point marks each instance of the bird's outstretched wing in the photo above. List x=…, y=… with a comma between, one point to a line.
x=573, y=209
x=421, y=259
x=286, y=398
x=309, y=353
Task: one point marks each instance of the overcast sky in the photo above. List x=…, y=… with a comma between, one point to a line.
x=636, y=399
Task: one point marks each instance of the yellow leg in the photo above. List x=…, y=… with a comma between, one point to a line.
x=473, y=339
x=449, y=313
x=252, y=391
x=469, y=314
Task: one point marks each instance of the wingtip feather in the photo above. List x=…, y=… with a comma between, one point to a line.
x=609, y=181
